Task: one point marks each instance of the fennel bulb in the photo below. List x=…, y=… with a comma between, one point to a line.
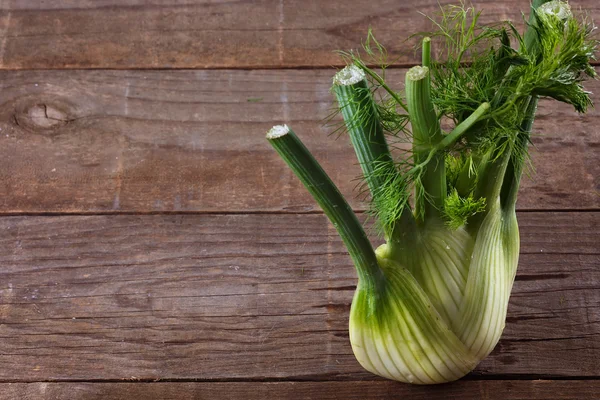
x=431, y=302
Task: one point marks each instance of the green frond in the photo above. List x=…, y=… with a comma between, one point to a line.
x=461, y=173
x=478, y=65
x=391, y=198
x=459, y=209
x=376, y=51
x=566, y=49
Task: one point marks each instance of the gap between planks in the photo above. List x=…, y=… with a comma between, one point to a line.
x=265, y=67
x=468, y=378
x=242, y=212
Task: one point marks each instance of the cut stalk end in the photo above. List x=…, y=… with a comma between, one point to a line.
x=278, y=131
x=559, y=9
x=417, y=73
x=350, y=75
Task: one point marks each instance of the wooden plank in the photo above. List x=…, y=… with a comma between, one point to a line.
x=252, y=297
x=155, y=141
x=216, y=34
x=463, y=390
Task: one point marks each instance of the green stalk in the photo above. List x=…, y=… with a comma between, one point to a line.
x=427, y=134
x=324, y=191
x=508, y=168
x=492, y=179
x=512, y=180
x=377, y=78
x=426, y=52
x=531, y=36
x=365, y=130
x=366, y=134
x=464, y=126
x=514, y=170
x=490, y=182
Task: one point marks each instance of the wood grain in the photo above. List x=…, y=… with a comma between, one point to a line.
x=463, y=390
x=222, y=297
x=193, y=141
x=217, y=34
x=98, y=115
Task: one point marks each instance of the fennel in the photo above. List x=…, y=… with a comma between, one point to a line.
x=431, y=302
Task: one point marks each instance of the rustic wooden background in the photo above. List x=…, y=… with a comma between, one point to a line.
x=153, y=246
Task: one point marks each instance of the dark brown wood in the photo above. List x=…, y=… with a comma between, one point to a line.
x=154, y=141
x=464, y=390
x=253, y=304
x=221, y=297
x=223, y=34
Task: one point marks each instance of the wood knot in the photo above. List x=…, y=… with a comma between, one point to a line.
x=42, y=116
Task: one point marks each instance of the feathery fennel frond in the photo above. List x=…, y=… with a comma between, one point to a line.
x=458, y=209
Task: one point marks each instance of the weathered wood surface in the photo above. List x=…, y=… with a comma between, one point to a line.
x=463, y=390
x=154, y=141
x=221, y=305
x=217, y=34
x=221, y=297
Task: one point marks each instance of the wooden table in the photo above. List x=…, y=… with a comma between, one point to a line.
x=155, y=247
